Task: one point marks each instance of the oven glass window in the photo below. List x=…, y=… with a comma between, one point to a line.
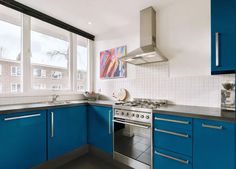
x=133, y=142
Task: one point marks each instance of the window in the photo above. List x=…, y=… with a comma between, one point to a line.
x=82, y=63
x=50, y=56
x=15, y=87
x=15, y=71
x=40, y=86
x=39, y=73
x=50, y=49
x=10, y=49
x=56, y=87
x=56, y=75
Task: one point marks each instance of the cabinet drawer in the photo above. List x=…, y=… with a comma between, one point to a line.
x=170, y=122
x=168, y=160
x=175, y=140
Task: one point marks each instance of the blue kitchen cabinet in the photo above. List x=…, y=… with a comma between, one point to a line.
x=223, y=41
x=67, y=130
x=100, y=128
x=22, y=140
x=214, y=145
x=164, y=159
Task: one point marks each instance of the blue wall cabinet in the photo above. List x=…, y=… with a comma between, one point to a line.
x=67, y=130
x=214, y=145
x=22, y=140
x=100, y=127
x=223, y=41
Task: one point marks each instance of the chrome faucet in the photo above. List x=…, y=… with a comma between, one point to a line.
x=54, y=98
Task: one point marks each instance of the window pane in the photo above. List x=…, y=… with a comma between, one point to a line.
x=82, y=63
x=10, y=48
x=50, y=56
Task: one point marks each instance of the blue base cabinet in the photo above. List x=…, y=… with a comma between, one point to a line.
x=67, y=130
x=223, y=41
x=164, y=159
x=100, y=128
x=214, y=145
x=22, y=140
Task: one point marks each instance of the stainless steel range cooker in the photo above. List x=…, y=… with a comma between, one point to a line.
x=132, y=135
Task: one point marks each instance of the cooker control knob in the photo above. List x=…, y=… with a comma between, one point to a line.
x=133, y=114
x=122, y=113
x=142, y=116
x=147, y=117
x=127, y=114
x=137, y=115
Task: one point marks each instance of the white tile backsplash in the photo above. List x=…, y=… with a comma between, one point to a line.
x=153, y=81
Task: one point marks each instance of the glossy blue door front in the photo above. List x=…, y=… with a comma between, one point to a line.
x=100, y=127
x=214, y=145
x=223, y=22
x=67, y=130
x=22, y=140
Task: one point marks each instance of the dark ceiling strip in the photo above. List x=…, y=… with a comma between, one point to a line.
x=39, y=15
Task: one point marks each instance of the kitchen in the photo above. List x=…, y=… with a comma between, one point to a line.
x=159, y=76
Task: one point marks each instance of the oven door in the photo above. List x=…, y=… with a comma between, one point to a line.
x=132, y=144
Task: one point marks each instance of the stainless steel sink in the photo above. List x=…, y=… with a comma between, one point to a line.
x=58, y=102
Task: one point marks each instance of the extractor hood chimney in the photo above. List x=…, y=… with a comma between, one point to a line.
x=148, y=51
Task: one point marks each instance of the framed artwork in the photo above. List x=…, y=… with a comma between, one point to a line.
x=110, y=65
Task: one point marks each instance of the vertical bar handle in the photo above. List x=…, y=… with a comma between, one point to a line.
x=217, y=49
x=52, y=124
x=109, y=122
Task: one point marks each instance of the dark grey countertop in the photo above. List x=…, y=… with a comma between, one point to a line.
x=210, y=113
x=178, y=110
x=5, y=109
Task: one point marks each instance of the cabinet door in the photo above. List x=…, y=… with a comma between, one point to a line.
x=223, y=22
x=23, y=140
x=100, y=127
x=214, y=145
x=67, y=130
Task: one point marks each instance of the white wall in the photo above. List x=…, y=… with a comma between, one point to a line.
x=183, y=32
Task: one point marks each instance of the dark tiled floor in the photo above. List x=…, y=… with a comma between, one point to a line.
x=88, y=161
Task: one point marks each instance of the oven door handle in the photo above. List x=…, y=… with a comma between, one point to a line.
x=131, y=124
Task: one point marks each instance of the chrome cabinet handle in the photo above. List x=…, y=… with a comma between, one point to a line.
x=131, y=124
x=172, y=121
x=212, y=127
x=172, y=133
x=21, y=117
x=109, y=122
x=52, y=124
x=217, y=49
x=172, y=158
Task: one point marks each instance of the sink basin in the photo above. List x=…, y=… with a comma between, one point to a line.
x=58, y=102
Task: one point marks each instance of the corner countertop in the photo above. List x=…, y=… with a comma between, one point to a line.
x=6, y=109
x=209, y=113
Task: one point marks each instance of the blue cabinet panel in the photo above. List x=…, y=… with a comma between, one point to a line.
x=168, y=160
x=223, y=21
x=173, y=133
x=214, y=145
x=100, y=128
x=22, y=140
x=173, y=140
x=170, y=122
x=67, y=130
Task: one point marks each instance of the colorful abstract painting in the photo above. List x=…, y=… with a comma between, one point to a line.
x=110, y=65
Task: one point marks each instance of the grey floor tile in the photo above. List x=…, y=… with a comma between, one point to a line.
x=88, y=162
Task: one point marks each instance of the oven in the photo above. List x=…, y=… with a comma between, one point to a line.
x=132, y=138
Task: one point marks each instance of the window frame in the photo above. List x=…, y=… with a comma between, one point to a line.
x=26, y=70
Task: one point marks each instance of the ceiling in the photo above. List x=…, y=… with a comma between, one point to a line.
x=105, y=15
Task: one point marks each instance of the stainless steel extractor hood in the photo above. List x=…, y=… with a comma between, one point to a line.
x=148, y=51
